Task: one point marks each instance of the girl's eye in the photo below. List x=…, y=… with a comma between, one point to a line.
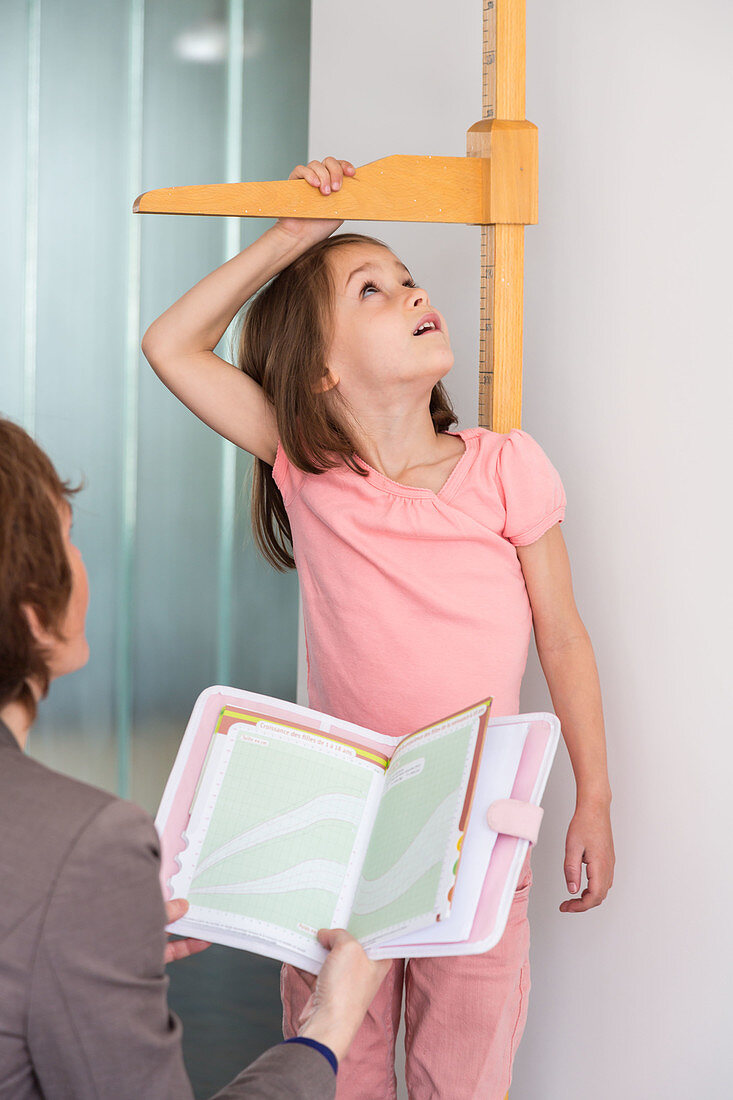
x=373, y=286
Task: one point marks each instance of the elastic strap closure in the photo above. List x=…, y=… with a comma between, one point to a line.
x=513, y=817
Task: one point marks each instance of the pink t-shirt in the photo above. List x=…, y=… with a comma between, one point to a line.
x=414, y=602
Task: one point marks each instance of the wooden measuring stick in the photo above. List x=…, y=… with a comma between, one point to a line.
x=502, y=245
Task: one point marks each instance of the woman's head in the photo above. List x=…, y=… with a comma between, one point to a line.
x=302, y=332
x=43, y=584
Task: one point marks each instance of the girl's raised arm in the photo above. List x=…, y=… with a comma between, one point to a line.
x=180, y=344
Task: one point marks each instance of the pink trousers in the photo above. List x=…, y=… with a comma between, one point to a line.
x=464, y=1017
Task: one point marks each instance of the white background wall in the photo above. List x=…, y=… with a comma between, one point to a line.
x=628, y=388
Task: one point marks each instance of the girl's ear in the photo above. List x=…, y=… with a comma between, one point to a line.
x=327, y=383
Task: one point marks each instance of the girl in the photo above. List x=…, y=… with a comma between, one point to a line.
x=424, y=557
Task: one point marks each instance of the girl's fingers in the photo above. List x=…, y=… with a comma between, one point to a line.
x=572, y=866
x=327, y=175
x=314, y=174
x=324, y=179
x=337, y=169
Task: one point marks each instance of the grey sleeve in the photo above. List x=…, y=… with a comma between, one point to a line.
x=99, y=1025
x=288, y=1070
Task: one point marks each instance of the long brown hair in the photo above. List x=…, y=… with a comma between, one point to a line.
x=283, y=345
x=34, y=568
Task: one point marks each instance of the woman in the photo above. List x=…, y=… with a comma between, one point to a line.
x=83, y=1009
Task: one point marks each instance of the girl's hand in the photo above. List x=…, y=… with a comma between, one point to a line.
x=589, y=841
x=327, y=176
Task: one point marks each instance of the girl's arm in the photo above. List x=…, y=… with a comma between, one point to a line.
x=180, y=344
x=567, y=660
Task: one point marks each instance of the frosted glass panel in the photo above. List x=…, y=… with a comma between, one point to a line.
x=179, y=500
x=175, y=580
x=80, y=324
x=131, y=91
x=13, y=186
x=275, y=118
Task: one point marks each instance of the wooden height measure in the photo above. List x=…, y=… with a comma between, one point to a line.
x=494, y=186
x=502, y=242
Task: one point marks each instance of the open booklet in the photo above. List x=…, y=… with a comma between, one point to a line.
x=278, y=820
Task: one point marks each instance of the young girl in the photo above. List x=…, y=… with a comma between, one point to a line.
x=424, y=557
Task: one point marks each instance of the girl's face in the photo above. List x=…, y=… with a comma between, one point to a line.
x=375, y=350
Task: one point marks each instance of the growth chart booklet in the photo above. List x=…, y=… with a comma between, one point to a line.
x=278, y=820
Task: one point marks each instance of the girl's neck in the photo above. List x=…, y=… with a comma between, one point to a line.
x=395, y=444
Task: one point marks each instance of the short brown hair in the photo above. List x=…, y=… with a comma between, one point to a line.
x=283, y=345
x=34, y=568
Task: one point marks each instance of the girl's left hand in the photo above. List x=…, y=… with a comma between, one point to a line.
x=180, y=949
x=327, y=176
x=589, y=841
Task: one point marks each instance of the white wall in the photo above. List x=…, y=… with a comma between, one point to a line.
x=628, y=387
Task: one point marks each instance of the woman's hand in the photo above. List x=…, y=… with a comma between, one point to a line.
x=327, y=176
x=589, y=841
x=342, y=992
x=180, y=949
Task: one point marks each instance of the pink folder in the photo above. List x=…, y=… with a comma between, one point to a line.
x=505, y=814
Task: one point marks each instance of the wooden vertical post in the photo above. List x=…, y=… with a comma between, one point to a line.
x=502, y=245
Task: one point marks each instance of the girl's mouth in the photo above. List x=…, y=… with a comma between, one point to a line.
x=429, y=323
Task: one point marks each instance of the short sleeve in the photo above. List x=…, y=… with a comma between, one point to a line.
x=288, y=478
x=534, y=498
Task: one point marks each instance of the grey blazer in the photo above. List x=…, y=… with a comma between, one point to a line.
x=83, y=1009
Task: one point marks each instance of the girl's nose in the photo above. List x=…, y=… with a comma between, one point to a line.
x=418, y=296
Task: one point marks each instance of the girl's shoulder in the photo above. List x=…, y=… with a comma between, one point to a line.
x=290, y=478
x=529, y=486
x=516, y=444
